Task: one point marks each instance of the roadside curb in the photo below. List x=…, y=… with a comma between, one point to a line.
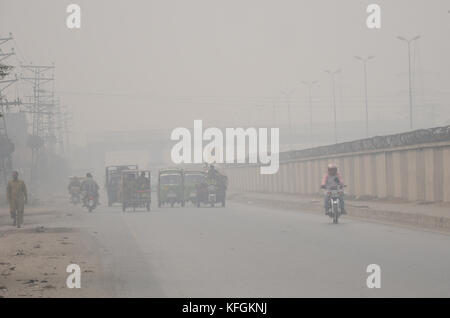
x=437, y=223
x=419, y=220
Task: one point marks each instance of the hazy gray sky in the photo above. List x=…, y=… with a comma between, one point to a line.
x=161, y=64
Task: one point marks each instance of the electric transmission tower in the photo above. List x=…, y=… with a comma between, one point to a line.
x=62, y=117
x=6, y=80
x=41, y=107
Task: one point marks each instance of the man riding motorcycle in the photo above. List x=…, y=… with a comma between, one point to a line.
x=143, y=183
x=332, y=179
x=211, y=177
x=89, y=187
x=74, y=188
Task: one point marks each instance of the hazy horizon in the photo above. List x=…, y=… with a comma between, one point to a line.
x=162, y=64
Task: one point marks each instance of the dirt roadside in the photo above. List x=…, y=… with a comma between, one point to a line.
x=33, y=259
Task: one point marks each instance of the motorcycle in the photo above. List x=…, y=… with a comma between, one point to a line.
x=210, y=194
x=75, y=196
x=91, y=202
x=334, y=195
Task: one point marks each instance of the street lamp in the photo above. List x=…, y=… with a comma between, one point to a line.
x=310, y=84
x=332, y=74
x=259, y=116
x=274, y=107
x=364, y=61
x=401, y=38
x=288, y=95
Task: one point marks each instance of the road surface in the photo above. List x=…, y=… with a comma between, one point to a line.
x=247, y=251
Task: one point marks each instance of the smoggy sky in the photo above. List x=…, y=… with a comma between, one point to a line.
x=162, y=64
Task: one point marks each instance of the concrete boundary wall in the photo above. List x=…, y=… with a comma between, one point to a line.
x=412, y=173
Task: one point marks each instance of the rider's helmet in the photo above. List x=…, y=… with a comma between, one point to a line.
x=332, y=169
x=88, y=175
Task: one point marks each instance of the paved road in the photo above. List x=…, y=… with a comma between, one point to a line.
x=247, y=251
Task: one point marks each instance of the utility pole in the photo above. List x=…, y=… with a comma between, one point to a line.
x=364, y=61
x=274, y=108
x=288, y=100
x=275, y=100
x=38, y=108
x=401, y=38
x=310, y=84
x=332, y=75
x=66, y=117
x=59, y=129
x=259, y=112
x=51, y=105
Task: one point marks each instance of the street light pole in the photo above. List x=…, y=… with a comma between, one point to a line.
x=364, y=61
x=274, y=114
x=288, y=95
x=310, y=84
x=410, y=78
x=332, y=74
x=259, y=116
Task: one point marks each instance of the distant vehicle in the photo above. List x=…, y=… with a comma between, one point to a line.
x=112, y=182
x=171, y=187
x=213, y=191
x=75, y=189
x=192, y=180
x=75, y=195
x=135, y=189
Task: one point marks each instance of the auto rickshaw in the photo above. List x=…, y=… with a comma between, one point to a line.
x=112, y=182
x=192, y=179
x=171, y=187
x=135, y=189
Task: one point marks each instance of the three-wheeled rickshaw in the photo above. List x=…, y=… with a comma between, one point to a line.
x=135, y=189
x=112, y=181
x=171, y=187
x=192, y=180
